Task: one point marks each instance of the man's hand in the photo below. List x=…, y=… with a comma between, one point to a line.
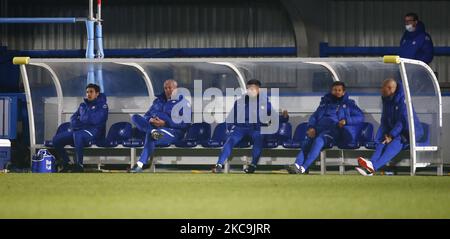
x=311, y=133
x=157, y=122
x=342, y=123
x=387, y=139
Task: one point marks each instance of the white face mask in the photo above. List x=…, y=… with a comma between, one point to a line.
x=410, y=28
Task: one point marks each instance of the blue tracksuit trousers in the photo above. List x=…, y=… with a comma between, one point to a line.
x=79, y=139
x=311, y=148
x=235, y=136
x=169, y=136
x=386, y=152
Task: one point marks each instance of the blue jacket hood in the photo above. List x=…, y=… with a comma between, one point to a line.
x=420, y=29
x=101, y=100
x=329, y=98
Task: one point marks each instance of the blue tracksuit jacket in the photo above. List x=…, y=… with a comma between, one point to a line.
x=394, y=118
x=91, y=116
x=162, y=108
x=332, y=110
x=417, y=45
x=325, y=121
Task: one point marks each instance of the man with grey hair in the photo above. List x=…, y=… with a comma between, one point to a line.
x=393, y=133
x=158, y=124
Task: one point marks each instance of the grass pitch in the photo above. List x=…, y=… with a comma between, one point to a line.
x=187, y=195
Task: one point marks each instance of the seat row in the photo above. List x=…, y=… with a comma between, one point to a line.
x=123, y=133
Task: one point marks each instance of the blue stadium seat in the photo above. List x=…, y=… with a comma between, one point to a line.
x=282, y=135
x=370, y=145
x=364, y=132
x=424, y=141
x=136, y=140
x=218, y=138
x=198, y=133
x=62, y=128
x=118, y=134
x=299, y=136
x=245, y=142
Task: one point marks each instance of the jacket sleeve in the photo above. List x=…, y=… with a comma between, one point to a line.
x=354, y=114
x=426, y=50
x=180, y=125
x=379, y=137
x=75, y=119
x=402, y=122
x=313, y=118
x=156, y=106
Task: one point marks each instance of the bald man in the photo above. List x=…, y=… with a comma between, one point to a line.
x=393, y=133
x=158, y=124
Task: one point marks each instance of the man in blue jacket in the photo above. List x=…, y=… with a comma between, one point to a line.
x=246, y=128
x=393, y=134
x=87, y=125
x=335, y=111
x=158, y=124
x=416, y=43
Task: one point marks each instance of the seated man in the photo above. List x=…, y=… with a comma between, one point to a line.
x=393, y=134
x=335, y=111
x=158, y=124
x=87, y=124
x=240, y=130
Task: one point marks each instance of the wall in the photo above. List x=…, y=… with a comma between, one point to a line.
x=164, y=24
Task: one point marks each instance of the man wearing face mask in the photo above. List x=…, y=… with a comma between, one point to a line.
x=335, y=111
x=416, y=43
x=246, y=128
x=158, y=124
x=393, y=134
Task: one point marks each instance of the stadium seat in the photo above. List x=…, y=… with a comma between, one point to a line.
x=282, y=135
x=62, y=128
x=245, y=142
x=136, y=140
x=118, y=134
x=198, y=133
x=424, y=141
x=299, y=136
x=218, y=138
x=364, y=132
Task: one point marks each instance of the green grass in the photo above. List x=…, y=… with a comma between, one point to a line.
x=185, y=195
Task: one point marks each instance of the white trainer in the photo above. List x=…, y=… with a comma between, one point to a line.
x=366, y=164
x=363, y=171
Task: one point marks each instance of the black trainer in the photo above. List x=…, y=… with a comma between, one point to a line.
x=293, y=169
x=136, y=169
x=250, y=168
x=78, y=169
x=217, y=169
x=66, y=168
